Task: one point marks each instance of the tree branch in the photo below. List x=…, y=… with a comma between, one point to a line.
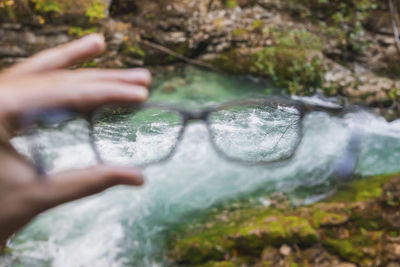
x=179, y=56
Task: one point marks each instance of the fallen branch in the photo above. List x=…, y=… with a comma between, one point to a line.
x=179, y=56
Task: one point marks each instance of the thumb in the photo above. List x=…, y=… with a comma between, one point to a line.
x=72, y=185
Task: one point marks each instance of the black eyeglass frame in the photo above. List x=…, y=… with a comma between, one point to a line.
x=33, y=120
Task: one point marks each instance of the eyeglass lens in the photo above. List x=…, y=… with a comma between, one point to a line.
x=140, y=137
x=256, y=133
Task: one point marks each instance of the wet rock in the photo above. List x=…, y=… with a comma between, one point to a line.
x=270, y=254
x=285, y=250
x=393, y=251
x=391, y=193
x=122, y=7
x=386, y=40
x=275, y=230
x=173, y=38
x=12, y=51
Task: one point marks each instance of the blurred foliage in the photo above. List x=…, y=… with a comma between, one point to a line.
x=40, y=11
x=291, y=69
x=134, y=51
x=97, y=10
x=348, y=16
x=293, y=62
x=231, y=3
x=7, y=9
x=47, y=6
x=79, y=31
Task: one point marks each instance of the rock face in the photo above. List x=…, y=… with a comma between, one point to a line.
x=338, y=47
x=352, y=228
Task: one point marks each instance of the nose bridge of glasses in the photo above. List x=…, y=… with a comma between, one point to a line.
x=195, y=115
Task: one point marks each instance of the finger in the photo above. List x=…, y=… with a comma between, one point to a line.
x=61, y=57
x=90, y=95
x=77, y=184
x=135, y=76
x=61, y=93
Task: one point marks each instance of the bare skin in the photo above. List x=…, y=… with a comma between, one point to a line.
x=42, y=82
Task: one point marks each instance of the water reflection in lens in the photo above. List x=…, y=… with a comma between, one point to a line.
x=256, y=133
x=136, y=136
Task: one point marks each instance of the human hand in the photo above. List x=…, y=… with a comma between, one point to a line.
x=43, y=82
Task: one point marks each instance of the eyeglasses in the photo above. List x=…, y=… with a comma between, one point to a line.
x=251, y=131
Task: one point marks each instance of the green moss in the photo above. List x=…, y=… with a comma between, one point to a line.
x=96, y=11
x=367, y=219
x=345, y=249
x=348, y=16
x=6, y=250
x=321, y=217
x=352, y=229
x=361, y=189
x=134, y=51
x=351, y=249
x=234, y=61
x=290, y=68
x=200, y=248
x=79, y=31
x=183, y=48
x=238, y=32
x=219, y=239
x=231, y=3
x=366, y=238
x=150, y=16
x=299, y=38
x=391, y=200
x=46, y=6
x=218, y=264
x=257, y=24
x=91, y=64
x=275, y=230
x=293, y=63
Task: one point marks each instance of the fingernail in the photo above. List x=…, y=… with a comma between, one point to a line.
x=138, y=176
x=142, y=93
x=96, y=39
x=144, y=73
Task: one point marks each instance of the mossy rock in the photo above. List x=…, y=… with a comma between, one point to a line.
x=355, y=228
x=55, y=11
x=218, y=264
x=294, y=62
x=362, y=189
x=199, y=249
x=275, y=230
x=359, y=248
x=327, y=219
x=345, y=249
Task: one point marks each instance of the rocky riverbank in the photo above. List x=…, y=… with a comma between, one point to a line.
x=358, y=226
x=338, y=47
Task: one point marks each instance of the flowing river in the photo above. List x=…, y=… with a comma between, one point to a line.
x=126, y=226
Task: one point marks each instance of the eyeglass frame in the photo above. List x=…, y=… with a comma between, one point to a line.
x=32, y=120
